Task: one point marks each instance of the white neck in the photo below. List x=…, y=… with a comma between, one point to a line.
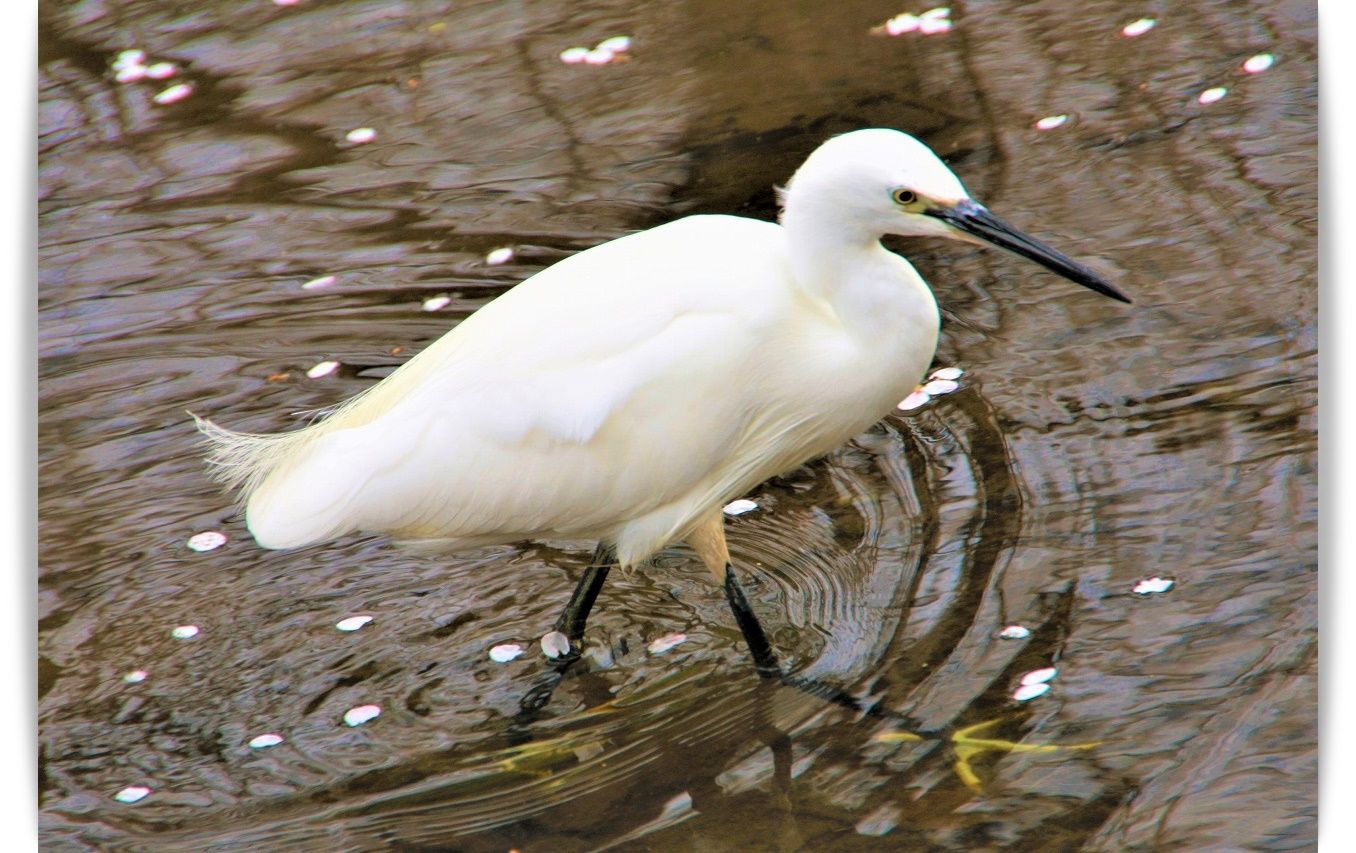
x=877, y=294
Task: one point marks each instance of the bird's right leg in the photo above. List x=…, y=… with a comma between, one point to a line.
x=708, y=540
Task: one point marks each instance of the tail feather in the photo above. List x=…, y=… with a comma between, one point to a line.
x=243, y=460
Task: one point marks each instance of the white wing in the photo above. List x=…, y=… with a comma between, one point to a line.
x=604, y=388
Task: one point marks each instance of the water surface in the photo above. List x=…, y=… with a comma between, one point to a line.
x=1092, y=446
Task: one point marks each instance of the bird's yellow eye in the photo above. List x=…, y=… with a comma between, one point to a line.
x=902, y=196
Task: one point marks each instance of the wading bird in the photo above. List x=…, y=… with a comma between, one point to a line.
x=625, y=394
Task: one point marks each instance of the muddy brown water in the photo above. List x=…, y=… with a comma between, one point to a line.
x=1092, y=445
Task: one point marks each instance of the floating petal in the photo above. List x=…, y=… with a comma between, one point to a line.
x=132, y=793
x=1149, y=586
x=914, y=400
x=361, y=714
x=1051, y=122
x=352, y=623
x=1039, y=676
x=265, y=741
x=1030, y=691
x=1209, y=96
x=184, y=632
x=573, y=55
x=1014, y=632
x=359, y=135
x=555, y=644
x=317, y=283
x=162, y=70
x=130, y=57
x=499, y=256
x=739, y=507
x=1259, y=63
x=505, y=652
x=136, y=676
x=938, y=387
x=666, y=642
x=174, y=93
x=324, y=368
x=616, y=44
x=947, y=373
x=208, y=540
x=437, y=303
x=1138, y=28
x=131, y=73
x=900, y=24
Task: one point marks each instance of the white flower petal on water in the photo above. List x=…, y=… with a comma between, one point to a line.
x=162, y=70
x=616, y=44
x=1149, y=586
x=266, y=740
x=136, y=676
x=947, y=373
x=324, y=368
x=1030, y=691
x=935, y=14
x=131, y=73
x=1138, y=28
x=286, y=2
x=174, y=93
x=900, y=24
x=555, y=644
x=352, y=623
x=505, y=652
x=132, y=793
x=184, y=632
x=1015, y=632
x=914, y=400
x=1051, y=122
x=208, y=540
x=599, y=57
x=573, y=55
x=1259, y=63
x=739, y=507
x=1209, y=96
x=130, y=57
x=437, y=303
x=666, y=642
x=359, y=135
x=1039, y=676
x=317, y=283
x=499, y=256
x=932, y=26
x=938, y=387
x=361, y=714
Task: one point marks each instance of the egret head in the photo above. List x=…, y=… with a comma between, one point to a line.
x=881, y=181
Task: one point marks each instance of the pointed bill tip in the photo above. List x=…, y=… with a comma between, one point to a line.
x=974, y=219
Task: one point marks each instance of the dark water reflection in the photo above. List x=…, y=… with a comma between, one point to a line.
x=1092, y=446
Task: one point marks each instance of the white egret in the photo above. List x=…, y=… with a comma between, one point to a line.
x=625, y=394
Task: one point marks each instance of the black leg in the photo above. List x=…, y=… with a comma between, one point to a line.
x=763, y=657
x=576, y=612
x=571, y=624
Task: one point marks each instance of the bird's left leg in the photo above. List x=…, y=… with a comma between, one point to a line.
x=708, y=540
x=576, y=612
x=570, y=623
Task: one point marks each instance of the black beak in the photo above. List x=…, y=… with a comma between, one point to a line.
x=974, y=218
